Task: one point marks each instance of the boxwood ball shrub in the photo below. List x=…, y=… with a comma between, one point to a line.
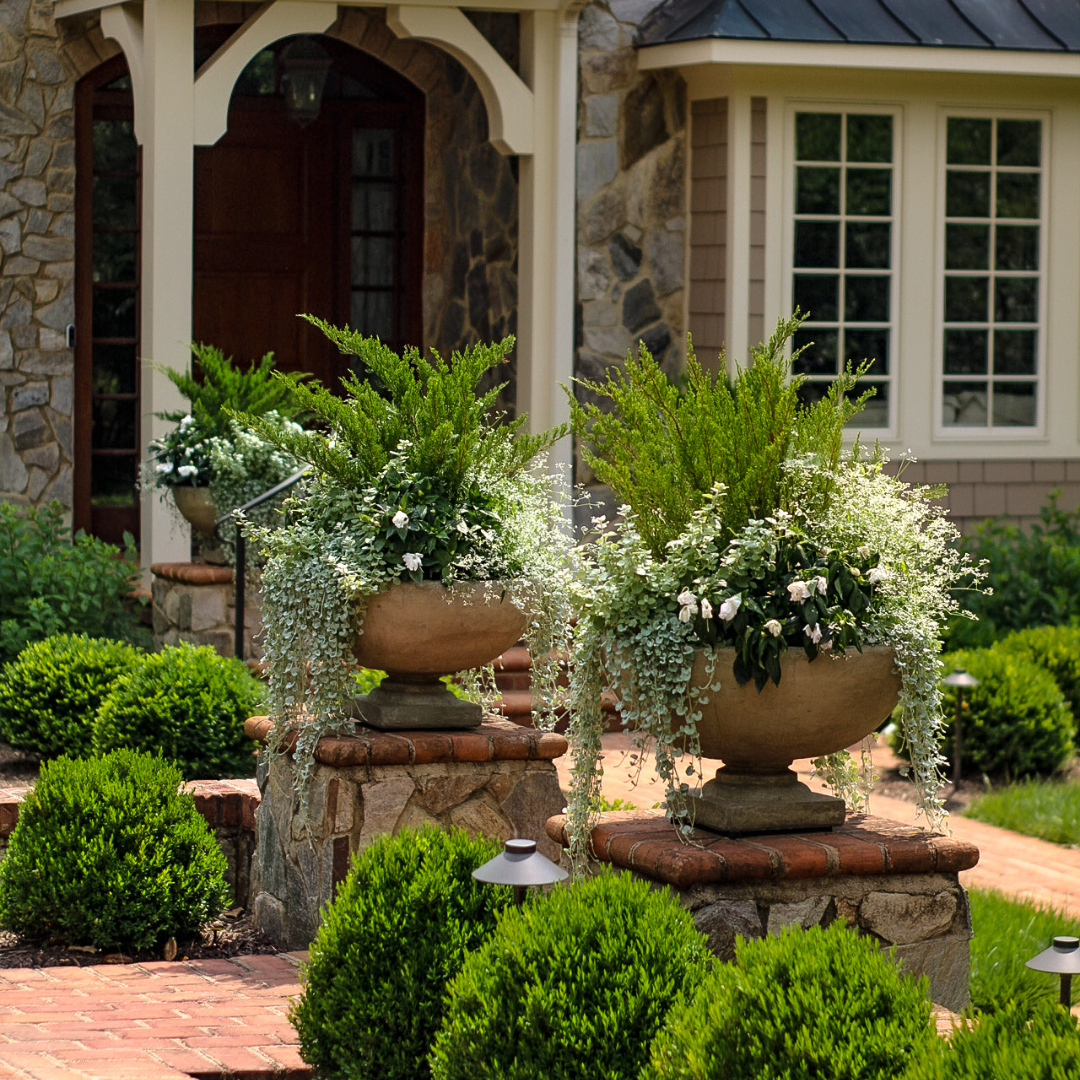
x=1016, y=723
x=400, y=927
x=188, y=703
x=51, y=692
x=807, y=1005
x=108, y=852
x=574, y=984
x=1055, y=648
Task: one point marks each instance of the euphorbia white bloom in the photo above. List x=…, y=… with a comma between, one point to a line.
x=165, y=468
x=774, y=627
x=706, y=609
x=413, y=560
x=879, y=573
x=798, y=591
x=813, y=633
x=864, y=552
x=400, y=519
x=187, y=470
x=730, y=608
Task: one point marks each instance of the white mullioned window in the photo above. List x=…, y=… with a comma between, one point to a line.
x=992, y=298
x=844, y=258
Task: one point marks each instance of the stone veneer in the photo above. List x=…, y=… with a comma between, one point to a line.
x=891, y=882
x=497, y=780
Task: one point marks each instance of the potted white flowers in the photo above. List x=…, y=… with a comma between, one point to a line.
x=766, y=596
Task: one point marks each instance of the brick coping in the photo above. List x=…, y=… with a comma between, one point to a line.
x=192, y=573
x=646, y=842
x=494, y=740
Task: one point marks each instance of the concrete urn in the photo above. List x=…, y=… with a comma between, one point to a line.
x=196, y=507
x=820, y=706
x=417, y=633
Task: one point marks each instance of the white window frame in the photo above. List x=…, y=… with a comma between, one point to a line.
x=864, y=108
x=988, y=433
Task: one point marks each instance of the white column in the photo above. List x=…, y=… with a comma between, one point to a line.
x=168, y=125
x=738, y=230
x=546, y=214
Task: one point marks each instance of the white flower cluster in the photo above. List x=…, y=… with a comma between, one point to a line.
x=690, y=606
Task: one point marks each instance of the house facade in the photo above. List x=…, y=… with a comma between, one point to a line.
x=585, y=178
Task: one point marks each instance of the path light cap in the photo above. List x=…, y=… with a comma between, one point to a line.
x=519, y=864
x=1062, y=958
x=960, y=677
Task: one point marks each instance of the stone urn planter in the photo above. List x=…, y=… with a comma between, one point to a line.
x=197, y=507
x=417, y=633
x=817, y=709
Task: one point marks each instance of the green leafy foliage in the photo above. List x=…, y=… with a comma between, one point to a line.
x=1009, y=932
x=664, y=447
x=807, y=1005
x=189, y=704
x=50, y=694
x=1015, y=723
x=1048, y=809
x=402, y=924
x=1033, y=576
x=109, y=853
x=574, y=984
x=1055, y=649
x=53, y=583
x=1010, y=1045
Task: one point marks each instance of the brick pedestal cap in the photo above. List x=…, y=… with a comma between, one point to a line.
x=644, y=841
x=494, y=740
x=192, y=573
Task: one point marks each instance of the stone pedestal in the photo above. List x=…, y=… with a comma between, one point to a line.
x=497, y=780
x=895, y=883
x=197, y=603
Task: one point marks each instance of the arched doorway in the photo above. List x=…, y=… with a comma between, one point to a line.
x=324, y=217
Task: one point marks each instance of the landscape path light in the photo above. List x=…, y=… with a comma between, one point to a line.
x=521, y=865
x=962, y=680
x=1062, y=958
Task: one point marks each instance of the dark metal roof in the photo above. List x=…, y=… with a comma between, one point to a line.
x=1039, y=25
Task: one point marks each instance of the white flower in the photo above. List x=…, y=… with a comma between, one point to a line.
x=814, y=634
x=165, y=468
x=706, y=609
x=187, y=422
x=400, y=519
x=774, y=627
x=686, y=614
x=187, y=470
x=412, y=560
x=864, y=552
x=798, y=591
x=879, y=573
x=856, y=572
x=462, y=527
x=686, y=598
x=729, y=608
x=822, y=585
x=826, y=645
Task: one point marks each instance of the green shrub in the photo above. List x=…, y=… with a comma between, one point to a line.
x=1010, y=1045
x=107, y=852
x=807, y=1005
x=1055, y=648
x=189, y=704
x=575, y=984
x=1016, y=723
x=402, y=924
x=50, y=694
x=51, y=583
x=1047, y=809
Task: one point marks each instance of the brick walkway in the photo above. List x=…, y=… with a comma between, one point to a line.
x=159, y=1021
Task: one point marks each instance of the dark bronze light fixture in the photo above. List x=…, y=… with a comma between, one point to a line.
x=1062, y=958
x=304, y=66
x=520, y=865
x=960, y=679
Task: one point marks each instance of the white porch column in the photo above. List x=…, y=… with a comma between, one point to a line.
x=546, y=215
x=168, y=127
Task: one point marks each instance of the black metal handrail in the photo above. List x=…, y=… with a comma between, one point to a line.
x=266, y=496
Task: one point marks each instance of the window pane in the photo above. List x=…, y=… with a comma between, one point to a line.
x=1016, y=299
x=867, y=245
x=819, y=355
x=372, y=260
x=114, y=256
x=817, y=191
x=114, y=425
x=964, y=404
x=967, y=247
x=115, y=149
x=966, y=299
x=112, y=480
x=817, y=243
x=866, y=299
x=810, y=393
x=1017, y=247
x=114, y=202
x=968, y=141
x=869, y=138
x=875, y=413
x=967, y=194
x=1018, y=195
x=373, y=207
x=114, y=313
x=1014, y=352
x=1014, y=404
x=965, y=352
x=373, y=152
x=869, y=192
x=373, y=313
x=818, y=296
x=817, y=136
x=1019, y=143
x=860, y=345
x=114, y=369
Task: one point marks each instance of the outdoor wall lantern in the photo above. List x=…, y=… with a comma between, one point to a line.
x=1062, y=958
x=520, y=865
x=304, y=65
x=961, y=679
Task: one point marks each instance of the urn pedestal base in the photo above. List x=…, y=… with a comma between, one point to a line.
x=736, y=803
x=401, y=706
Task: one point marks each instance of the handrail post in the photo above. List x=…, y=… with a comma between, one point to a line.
x=239, y=575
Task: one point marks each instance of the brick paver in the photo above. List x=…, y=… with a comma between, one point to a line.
x=207, y=1019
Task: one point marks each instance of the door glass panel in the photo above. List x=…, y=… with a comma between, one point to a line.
x=113, y=479
x=375, y=232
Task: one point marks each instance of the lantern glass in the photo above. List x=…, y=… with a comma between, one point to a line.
x=305, y=66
